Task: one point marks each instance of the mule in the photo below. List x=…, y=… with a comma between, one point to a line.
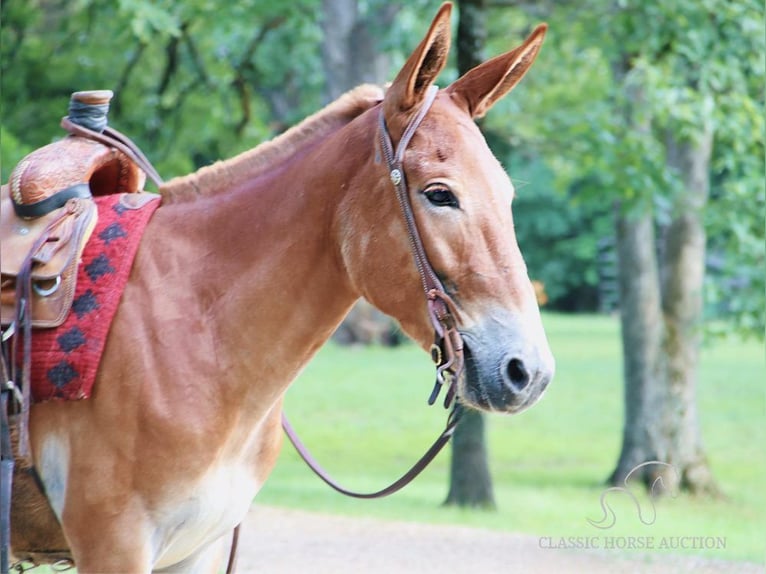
x=245, y=271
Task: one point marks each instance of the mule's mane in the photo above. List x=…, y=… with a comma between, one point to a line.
x=249, y=164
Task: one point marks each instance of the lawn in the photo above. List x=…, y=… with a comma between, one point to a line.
x=363, y=413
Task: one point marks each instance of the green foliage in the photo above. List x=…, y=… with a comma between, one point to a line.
x=672, y=67
x=565, y=241
x=11, y=148
x=194, y=81
x=709, y=67
x=149, y=18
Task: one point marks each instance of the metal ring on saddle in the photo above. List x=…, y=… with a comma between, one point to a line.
x=47, y=291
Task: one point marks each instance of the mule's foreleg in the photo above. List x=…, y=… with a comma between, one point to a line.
x=108, y=544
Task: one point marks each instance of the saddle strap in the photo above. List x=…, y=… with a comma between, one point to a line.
x=115, y=139
x=397, y=485
x=13, y=399
x=6, y=479
x=21, y=336
x=59, y=199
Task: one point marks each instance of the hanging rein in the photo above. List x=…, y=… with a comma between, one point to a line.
x=447, y=350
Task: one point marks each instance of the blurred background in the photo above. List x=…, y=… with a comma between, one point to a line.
x=636, y=145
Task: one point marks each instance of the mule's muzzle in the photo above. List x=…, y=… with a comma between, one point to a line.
x=500, y=380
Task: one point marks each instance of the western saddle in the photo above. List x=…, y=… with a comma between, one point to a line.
x=47, y=215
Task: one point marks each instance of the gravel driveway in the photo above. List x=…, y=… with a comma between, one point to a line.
x=280, y=541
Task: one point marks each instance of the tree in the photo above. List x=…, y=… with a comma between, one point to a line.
x=662, y=360
x=659, y=136
x=470, y=482
x=350, y=44
x=170, y=64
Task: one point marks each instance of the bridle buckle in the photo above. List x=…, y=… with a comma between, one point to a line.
x=436, y=354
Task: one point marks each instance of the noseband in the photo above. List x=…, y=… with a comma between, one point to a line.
x=447, y=350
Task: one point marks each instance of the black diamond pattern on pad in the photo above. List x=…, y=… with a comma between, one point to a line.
x=98, y=267
x=112, y=232
x=71, y=340
x=119, y=208
x=84, y=304
x=62, y=374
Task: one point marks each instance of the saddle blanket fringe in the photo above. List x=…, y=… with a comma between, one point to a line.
x=65, y=360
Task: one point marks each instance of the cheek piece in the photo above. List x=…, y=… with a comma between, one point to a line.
x=447, y=349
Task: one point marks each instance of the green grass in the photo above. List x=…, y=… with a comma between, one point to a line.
x=363, y=413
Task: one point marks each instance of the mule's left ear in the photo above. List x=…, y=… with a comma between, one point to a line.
x=479, y=88
x=422, y=67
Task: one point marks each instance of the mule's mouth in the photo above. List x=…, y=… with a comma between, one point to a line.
x=499, y=381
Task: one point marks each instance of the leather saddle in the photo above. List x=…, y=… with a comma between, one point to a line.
x=47, y=216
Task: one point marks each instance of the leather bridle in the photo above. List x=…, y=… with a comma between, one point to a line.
x=447, y=350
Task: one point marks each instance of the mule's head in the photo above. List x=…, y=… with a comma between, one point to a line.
x=461, y=198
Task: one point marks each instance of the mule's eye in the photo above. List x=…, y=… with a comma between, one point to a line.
x=440, y=196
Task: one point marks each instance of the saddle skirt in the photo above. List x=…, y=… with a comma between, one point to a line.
x=54, y=243
x=65, y=360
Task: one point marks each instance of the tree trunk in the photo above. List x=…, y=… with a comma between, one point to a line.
x=471, y=34
x=338, y=20
x=470, y=480
x=642, y=333
x=641, y=326
x=350, y=52
x=661, y=316
x=683, y=275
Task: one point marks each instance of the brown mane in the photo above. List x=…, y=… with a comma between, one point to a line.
x=231, y=172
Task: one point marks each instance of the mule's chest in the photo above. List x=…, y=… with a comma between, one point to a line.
x=210, y=508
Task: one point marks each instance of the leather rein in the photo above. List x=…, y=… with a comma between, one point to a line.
x=447, y=350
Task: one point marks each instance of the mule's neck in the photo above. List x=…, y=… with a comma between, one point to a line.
x=265, y=258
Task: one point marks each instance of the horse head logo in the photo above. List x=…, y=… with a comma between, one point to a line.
x=609, y=518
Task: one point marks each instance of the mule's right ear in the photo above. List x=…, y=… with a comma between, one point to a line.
x=485, y=84
x=422, y=67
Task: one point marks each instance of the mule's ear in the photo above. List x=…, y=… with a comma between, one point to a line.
x=479, y=88
x=423, y=66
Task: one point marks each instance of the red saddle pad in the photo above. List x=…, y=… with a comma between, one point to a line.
x=65, y=360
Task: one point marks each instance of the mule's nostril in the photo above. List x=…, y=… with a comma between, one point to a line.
x=518, y=374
